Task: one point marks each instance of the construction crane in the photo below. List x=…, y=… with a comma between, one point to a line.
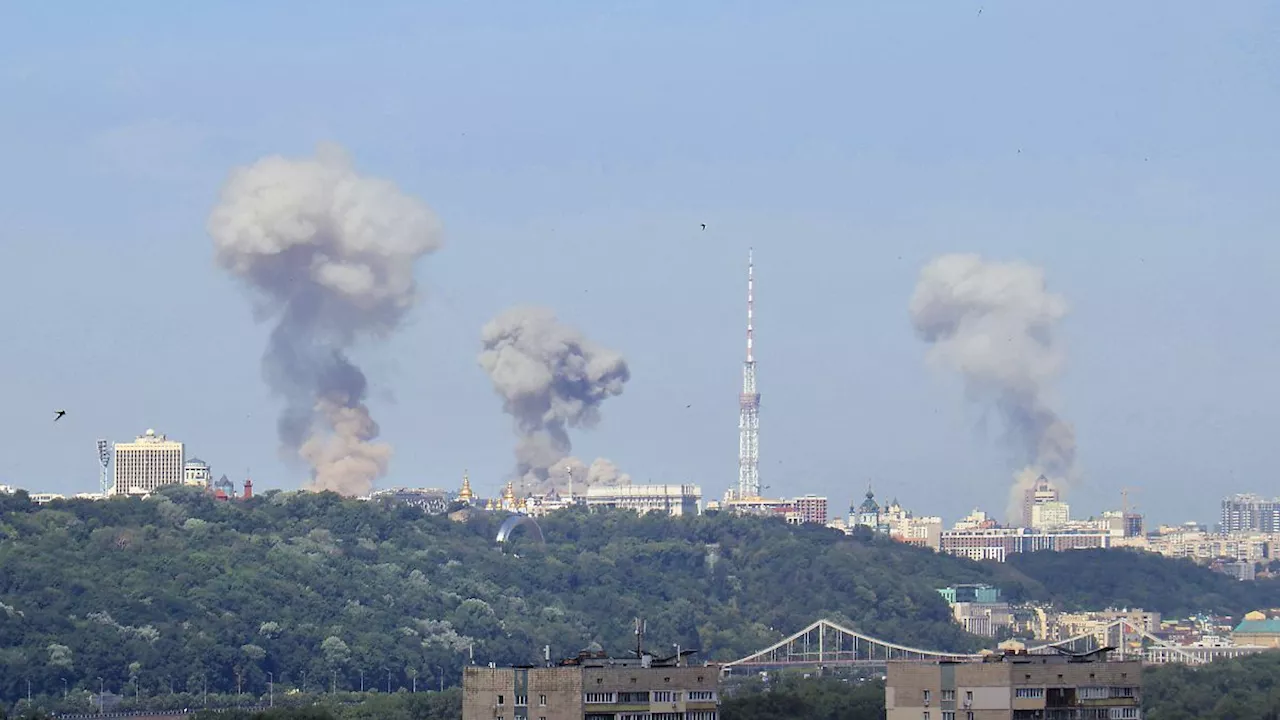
x=1124, y=498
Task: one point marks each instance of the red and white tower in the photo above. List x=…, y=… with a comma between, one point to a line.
x=749, y=404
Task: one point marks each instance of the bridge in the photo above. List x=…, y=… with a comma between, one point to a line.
x=826, y=644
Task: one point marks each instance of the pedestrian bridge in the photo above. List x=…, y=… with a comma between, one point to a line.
x=826, y=644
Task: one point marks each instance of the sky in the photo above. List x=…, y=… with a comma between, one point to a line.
x=572, y=152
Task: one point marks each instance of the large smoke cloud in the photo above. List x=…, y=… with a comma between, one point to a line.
x=329, y=255
x=550, y=379
x=995, y=324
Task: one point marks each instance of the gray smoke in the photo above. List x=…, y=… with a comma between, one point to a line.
x=329, y=256
x=995, y=324
x=550, y=379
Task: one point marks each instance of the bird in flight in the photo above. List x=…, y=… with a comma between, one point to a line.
x=704, y=226
x=58, y=415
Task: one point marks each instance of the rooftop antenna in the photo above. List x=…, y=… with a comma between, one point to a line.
x=104, y=461
x=640, y=626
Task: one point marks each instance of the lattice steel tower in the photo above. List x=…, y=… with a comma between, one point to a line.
x=749, y=404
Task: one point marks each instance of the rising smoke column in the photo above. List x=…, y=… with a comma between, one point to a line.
x=995, y=324
x=550, y=379
x=329, y=256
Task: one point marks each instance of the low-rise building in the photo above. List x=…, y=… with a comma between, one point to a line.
x=1015, y=686
x=668, y=499
x=594, y=686
x=1258, y=630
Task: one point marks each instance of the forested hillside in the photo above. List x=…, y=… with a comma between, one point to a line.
x=1086, y=579
x=185, y=590
x=180, y=591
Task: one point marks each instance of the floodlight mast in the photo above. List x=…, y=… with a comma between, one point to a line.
x=104, y=462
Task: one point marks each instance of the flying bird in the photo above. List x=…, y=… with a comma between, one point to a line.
x=58, y=415
x=704, y=226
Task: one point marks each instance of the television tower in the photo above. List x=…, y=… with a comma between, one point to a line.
x=104, y=462
x=749, y=404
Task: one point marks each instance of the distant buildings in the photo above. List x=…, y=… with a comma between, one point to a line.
x=674, y=500
x=1256, y=629
x=149, y=462
x=810, y=509
x=999, y=543
x=1250, y=513
x=1043, y=492
x=896, y=522
x=1015, y=685
x=196, y=473
x=594, y=686
x=978, y=609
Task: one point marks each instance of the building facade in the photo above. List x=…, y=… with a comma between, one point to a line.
x=149, y=462
x=196, y=472
x=593, y=687
x=1012, y=686
x=668, y=499
x=998, y=543
x=811, y=509
x=1250, y=513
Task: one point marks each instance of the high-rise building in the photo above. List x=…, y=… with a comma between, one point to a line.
x=149, y=462
x=1050, y=514
x=1040, y=493
x=1250, y=513
x=749, y=405
x=1014, y=685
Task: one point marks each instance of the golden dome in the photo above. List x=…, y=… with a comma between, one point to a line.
x=465, y=493
x=510, y=492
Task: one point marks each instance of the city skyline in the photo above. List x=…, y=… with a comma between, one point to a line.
x=583, y=186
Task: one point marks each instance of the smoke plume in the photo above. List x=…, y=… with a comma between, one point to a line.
x=550, y=379
x=328, y=255
x=994, y=323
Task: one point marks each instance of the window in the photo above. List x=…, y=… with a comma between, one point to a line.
x=968, y=698
x=948, y=695
x=500, y=700
x=1093, y=693
x=522, y=700
x=700, y=715
x=927, y=695
x=1127, y=713
x=633, y=698
x=664, y=696
x=948, y=715
x=542, y=701
x=1122, y=692
x=701, y=695
x=1029, y=693
x=600, y=697
x=923, y=717
x=967, y=716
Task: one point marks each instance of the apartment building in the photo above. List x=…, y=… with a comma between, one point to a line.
x=593, y=686
x=1016, y=686
x=149, y=462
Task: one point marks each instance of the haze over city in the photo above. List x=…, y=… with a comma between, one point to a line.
x=867, y=142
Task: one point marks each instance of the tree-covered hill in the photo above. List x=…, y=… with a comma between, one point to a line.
x=1094, y=579
x=182, y=589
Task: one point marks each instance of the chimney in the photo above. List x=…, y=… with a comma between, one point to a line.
x=248, y=488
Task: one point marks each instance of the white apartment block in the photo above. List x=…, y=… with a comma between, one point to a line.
x=669, y=499
x=149, y=462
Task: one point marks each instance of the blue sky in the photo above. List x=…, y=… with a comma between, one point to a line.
x=572, y=150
